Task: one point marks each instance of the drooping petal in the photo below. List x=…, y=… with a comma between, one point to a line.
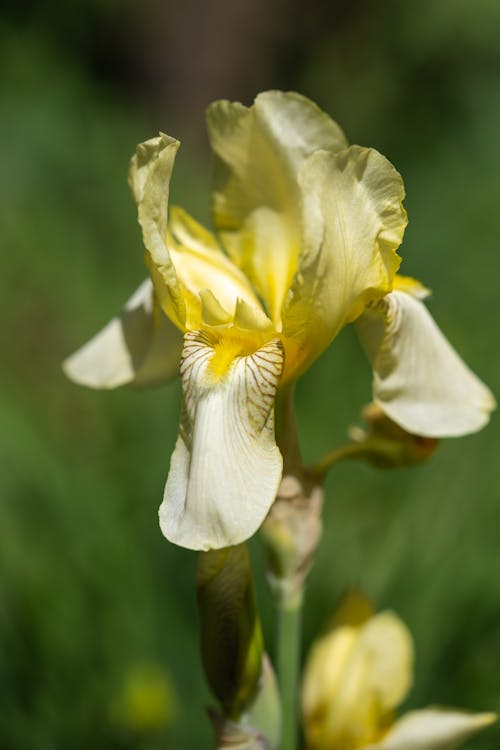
x=433, y=729
x=226, y=467
x=140, y=346
x=353, y=224
x=259, y=151
x=419, y=380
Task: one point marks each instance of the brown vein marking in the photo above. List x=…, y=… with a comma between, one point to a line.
x=262, y=386
x=195, y=355
x=257, y=377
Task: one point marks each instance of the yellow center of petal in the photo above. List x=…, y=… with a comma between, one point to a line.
x=228, y=346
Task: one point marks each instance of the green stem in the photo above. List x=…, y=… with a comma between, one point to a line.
x=378, y=451
x=286, y=430
x=288, y=656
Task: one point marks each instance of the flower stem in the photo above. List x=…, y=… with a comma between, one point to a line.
x=288, y=656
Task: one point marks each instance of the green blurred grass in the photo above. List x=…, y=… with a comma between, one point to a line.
x=89, y=589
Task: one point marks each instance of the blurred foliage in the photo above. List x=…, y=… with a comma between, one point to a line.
x=90, y=592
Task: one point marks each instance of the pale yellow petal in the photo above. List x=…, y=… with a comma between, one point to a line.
x=433, y=729
x=411, y=286
x=419, y=380
x=203, y=271
x=336, y=703
x=251, y=317
x=353, y=224
x=212, y=312
x=226, y=467
x=140, y=346
x=149, y=177
x=190, y=233
x=182, y=256
x=355, y=676
x=199, y=269
x=389, y=648
x=259, y=151
x=324, y=671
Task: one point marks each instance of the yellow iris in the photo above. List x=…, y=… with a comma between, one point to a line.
x=358, y=674
x=306, y=233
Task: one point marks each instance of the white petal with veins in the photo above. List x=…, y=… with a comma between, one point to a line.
x=226, y=467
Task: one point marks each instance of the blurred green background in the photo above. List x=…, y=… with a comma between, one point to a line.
x=98, y=630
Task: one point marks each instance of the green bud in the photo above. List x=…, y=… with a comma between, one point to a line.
x=231, y=636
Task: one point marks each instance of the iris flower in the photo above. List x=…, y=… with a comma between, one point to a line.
x=306, y=236
x=358, y=674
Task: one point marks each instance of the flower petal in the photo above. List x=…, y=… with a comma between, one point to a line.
x=259, y=151
x=388, y=644
x=200, y=264
x=433, y=729
x=149, y=178
x=226, y=467
x=355, y=676
x=183, y=257
x=140, y=346
x=419, y=380
x=353, y=224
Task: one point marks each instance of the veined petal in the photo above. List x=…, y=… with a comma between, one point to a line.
x=433, y=729
x=226, y=467
x=419, y=380
x=259, y=151
x=140, y=346
x=149, y=178
x=353, y=224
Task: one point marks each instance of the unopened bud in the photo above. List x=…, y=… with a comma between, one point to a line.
x=231, y=637
x=291, y=534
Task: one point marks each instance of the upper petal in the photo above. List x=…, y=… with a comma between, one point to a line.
x=183, y=257
x=226, y=467
x=389, y=645
x=259, y=151
x=149, y=177
x=419, y=380
x=139, y=346
x=433, y=729
x=353, y=224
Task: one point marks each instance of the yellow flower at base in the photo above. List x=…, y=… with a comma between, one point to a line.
x=357, y=675
x=307, y=229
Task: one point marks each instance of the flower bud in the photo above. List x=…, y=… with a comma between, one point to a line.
x=231, y=637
